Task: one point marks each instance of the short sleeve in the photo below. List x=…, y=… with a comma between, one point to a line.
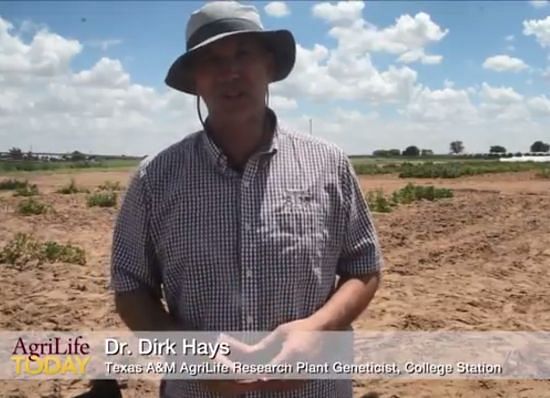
x=361, y=253
x=134, y=263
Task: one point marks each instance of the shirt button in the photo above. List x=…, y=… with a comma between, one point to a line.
x=249, y=320
x=249, y=273
x=246, y=184
x=247, y=226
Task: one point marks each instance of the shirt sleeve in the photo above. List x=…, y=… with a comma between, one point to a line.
x=361, y=253
x=134, y=264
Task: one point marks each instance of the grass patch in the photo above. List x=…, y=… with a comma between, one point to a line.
x=380, y=203
x=37, y=165
x=110, y=186
x=374, y=169
x=24, y=248
x=71, y=189
x=460, y=169
x=31, y=206
x=443, y=168
x=13, y=184
x=102, y=199
x=27, y=190
x=544, y=173
x=412, y=193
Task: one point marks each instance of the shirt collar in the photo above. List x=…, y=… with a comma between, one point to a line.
x=216, y=155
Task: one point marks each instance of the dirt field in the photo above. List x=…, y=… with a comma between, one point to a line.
x=478, y=261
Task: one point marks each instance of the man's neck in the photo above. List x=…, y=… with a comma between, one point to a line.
x=239, y=141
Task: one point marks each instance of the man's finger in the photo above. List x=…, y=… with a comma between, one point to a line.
x=284, y=356
x=268, y=341
x=235, y=344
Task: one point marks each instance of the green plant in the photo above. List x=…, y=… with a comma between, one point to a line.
x=13, y=184
x=377, y=202
x=31, y=206
x=102, y=199
x=27, y=190
x=53, y=251
x=412, y=193
x=24, y=248
x=71, y=188
x=110, y=186
x=21, y=249
x=544, y=173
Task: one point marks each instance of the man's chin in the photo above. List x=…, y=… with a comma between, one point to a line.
x=235, y=113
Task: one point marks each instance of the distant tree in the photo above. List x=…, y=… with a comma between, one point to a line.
x=380, y=153
x=76, y=156
x=457, y=147
x=497, y=149
x=539, y=146
x=426, y=152
x=30, y=156
x=411, y=151
x=15, y=153
x=394, y=152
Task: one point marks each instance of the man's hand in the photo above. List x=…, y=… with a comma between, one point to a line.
x=288, y=343
x=296, y=341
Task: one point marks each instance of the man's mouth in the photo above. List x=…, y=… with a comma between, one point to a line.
x=233, y=94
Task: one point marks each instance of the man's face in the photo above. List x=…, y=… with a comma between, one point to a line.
x=232, y=76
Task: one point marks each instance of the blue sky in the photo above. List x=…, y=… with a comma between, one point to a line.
x=139, y=40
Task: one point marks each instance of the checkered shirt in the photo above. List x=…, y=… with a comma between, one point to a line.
x=241, y=251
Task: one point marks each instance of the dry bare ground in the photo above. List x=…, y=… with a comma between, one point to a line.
x=479, y=261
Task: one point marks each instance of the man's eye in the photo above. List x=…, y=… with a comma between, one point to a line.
x=243, y=52
x=209, y=60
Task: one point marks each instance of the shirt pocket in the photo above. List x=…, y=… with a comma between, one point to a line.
x=298, y=230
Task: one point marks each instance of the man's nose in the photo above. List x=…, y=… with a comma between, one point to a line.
x=229, y=68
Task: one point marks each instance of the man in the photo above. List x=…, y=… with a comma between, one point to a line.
x=244, y=225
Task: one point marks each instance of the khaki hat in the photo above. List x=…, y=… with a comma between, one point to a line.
x=219, y=19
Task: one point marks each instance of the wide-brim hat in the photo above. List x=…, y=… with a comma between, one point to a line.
x=219, y=19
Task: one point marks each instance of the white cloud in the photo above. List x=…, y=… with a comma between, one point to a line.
x=510, y=38
x=503, y=103
x=540, y=29
x=101, y=109
x=277, y=9
x=419, y=55
x=342, y=13
x=546, y=73
x=53, y=108
x=408, y=37
x=448, y=83
x=47, y=54
x=501, y=95
x=540, y=105
x=511, y=48
x=504, y=63
x=28, y=26
x=447, y=105
x=104, y=44
x=330, y=75
x=279, y=102
x=105, y=73
x=539, y=3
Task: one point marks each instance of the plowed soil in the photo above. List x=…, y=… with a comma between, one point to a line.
x=476, y=262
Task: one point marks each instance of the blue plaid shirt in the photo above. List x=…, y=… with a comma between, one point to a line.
x=248, y=250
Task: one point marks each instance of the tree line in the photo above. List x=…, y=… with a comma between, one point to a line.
x=456, y=148
x=18, y=154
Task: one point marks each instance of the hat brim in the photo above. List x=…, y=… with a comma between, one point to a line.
x=281, y=42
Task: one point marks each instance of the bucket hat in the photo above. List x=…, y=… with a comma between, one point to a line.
x=219, y=19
